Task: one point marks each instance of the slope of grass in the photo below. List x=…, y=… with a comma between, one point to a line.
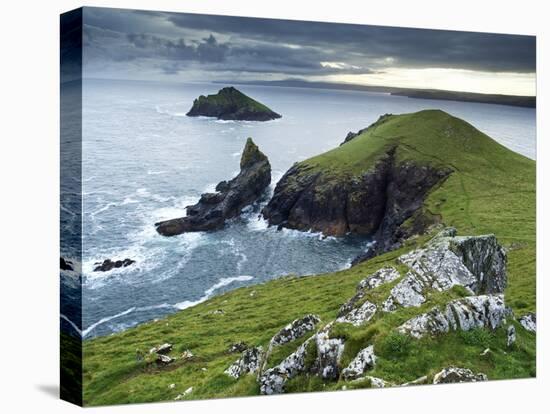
x=492, y=190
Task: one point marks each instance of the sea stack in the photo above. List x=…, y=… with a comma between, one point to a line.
x=213, y=209
x=231, y=104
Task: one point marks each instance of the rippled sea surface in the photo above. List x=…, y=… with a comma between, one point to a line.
x=144, y=161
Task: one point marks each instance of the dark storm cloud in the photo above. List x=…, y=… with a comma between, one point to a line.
x=171, y=42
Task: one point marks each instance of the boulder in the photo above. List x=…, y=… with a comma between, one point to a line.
x=329, y=353
x=161, y=349
x=484, y=311
x=109, y=264
x=529, y=322
x=164, y=359
x=364, y=360
x=214, y=209
x=295, y=329
x=248, y=363
x=454, y=375
x=231, y=104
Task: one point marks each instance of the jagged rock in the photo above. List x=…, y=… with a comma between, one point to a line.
x=382, y=276
x=360, y=315
x=187, y=355
x=418, y=381
x=237, y=347
x=510, y=336
x=295, y=329
x=477, y=262
x=108, y=264
x=213, y=209
x=273, y=380
x=529, y=322
x=364, y=360
x=65, y=264
x=484, y=311
x=329, y=352
x=161, y=349
x=231, y=104
x=249, y=362
x=454, y=374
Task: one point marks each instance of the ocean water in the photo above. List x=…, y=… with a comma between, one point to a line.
x=143, y=161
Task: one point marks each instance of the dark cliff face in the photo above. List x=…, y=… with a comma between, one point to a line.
x=375, y=203
x=213, y=209
x=231, y=104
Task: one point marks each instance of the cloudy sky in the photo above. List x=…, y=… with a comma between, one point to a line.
x=125, y=44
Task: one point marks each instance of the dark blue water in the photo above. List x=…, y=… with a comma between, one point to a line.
x=144, y=161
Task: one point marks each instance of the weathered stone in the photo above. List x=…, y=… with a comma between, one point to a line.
x=273, y=380
x=161, y=349
x=529, y=322
x=329, y=352
x=454, y=375
x=249, y=362
x=187, y=355
x=295, y=329
x=164, y=359
x=214, y=209
x=484, y=311
x=406, y=293
x=364, y=360
x=510, y=336
x=360, y=315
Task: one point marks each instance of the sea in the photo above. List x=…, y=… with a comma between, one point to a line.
x=144, y=161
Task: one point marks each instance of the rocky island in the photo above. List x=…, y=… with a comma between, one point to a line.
x=231, y=104
x=213, y=209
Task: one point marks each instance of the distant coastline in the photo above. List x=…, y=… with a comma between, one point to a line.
x=509, y=100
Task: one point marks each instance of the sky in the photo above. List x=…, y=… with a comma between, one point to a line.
x=144, y=45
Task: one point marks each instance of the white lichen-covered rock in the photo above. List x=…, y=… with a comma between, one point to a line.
x=380, y=277
x=164, y=359
x=484, y=311
x=364, y=360
x=407, y=293
x=161, y=349
x=510, y=336
x=329, y=352
x=248, y=363
x=272, y=381
x=294, y=330
x=475, y=262
x=454, y=375
x=375, y=382
x=529, y=322
x=360, y=315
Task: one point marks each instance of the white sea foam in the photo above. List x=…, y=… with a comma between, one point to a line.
x=151, y=172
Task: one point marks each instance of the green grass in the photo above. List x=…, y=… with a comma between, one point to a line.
x=492, y=190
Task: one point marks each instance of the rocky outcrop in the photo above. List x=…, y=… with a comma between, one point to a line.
x=484, y=311
x=360, y=315
x=476, y=262
x=529, y=322
x=455, y=374
x=295, y=329
x=329, y=353
x=109, y=264
x=248, y=363
x=375, y=202
x=273, y=380
x=213, y=209
x=364, y=360
x=231, y=104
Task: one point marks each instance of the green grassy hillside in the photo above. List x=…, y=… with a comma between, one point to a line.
x=492, y=190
